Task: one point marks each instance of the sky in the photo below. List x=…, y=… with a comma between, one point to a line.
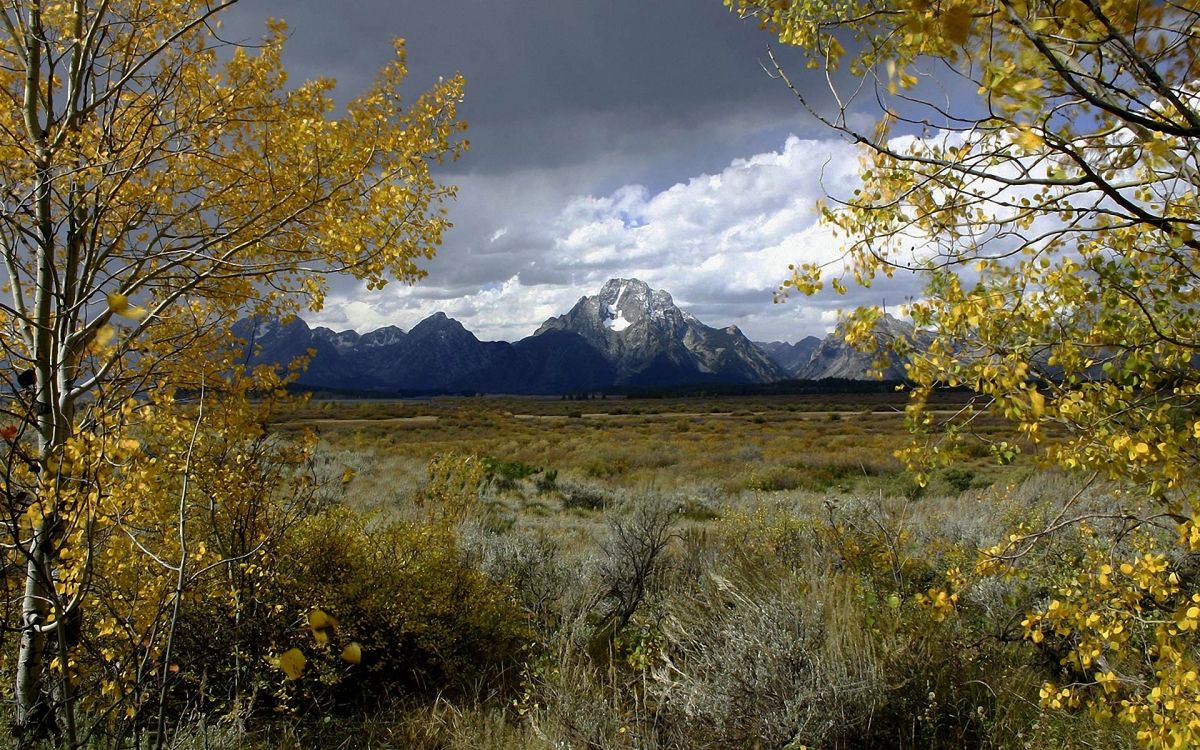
x=621, y=138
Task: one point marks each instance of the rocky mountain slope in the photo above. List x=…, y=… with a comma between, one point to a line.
x=626, y=335
x=650, y=341
x=834, y=358
x=789, y=357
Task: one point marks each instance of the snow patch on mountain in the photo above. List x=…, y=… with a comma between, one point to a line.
x=618, y=323
x=614, y=319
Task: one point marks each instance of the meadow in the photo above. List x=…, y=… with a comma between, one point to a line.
x=755, y=572
x=707, y=448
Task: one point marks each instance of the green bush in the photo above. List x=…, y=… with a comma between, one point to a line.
x=547, y=482
x=511, y=470
x=957, y=479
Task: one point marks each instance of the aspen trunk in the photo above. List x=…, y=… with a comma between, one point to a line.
x=33, y=714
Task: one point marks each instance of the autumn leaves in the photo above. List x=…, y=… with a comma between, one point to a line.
x=323, y=627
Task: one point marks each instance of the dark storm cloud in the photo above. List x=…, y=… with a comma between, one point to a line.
x=557, y=82
x=609, y=138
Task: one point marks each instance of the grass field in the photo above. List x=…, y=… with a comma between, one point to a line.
x=712, y=450
x=697, y=572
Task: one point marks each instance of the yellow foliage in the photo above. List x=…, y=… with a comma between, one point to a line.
x=405, y=595
x=118, y=303
x=152, y=161
x=352, y=653
x=1028, y=140
x=292, y=662
x=956, y=23
x=452, y=492
x=319, y=620
x=242, y=493
x=1055, y=235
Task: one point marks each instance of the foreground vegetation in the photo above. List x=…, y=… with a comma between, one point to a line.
x=522, y=573
x=673, y=602
x=1051, y=218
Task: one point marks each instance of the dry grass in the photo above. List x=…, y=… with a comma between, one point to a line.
x=767, y=619
x=725, y=446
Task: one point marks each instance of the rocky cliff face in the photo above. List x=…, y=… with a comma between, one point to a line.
x=274, y=342
x=648, y=340
x=834, y=358
x=437, y=354
x=791, y=358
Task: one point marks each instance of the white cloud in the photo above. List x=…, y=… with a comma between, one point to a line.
x=719, y=243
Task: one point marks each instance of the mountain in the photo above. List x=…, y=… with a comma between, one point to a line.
x=791, y=358
x=557, y=362
x=385, y=336
x=275, y=342
x=650, y=341
x=834, y=358
x=437, y=354
x=626, y=335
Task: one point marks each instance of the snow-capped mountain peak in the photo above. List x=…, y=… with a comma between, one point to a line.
x=647, y=337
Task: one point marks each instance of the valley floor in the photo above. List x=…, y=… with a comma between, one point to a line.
x=754, y=572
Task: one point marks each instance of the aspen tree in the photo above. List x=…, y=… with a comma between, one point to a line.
x=157, y=182
x=1036, y=163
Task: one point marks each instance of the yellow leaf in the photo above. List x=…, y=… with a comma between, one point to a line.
x=319, y=619
x=292, y=663
x=1037, y=402
x=1028, y=84
x=104, y=336
x=956, y=23
x=119, y=304
x=1029, y=140
x=352, y=653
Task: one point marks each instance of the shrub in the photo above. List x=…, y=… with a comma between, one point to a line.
x=576, y=496
x=508, y=470
x=757, y=666
x=774, y=479
x=807, y=632
x=957, y=479
x=426, y=620
x=526, y=566
x=547, y=482
x=631, y=558
x=604, y=467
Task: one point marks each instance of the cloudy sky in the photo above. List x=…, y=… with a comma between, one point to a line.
x=617, y=138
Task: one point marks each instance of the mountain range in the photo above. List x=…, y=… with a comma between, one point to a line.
x=627, y=335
